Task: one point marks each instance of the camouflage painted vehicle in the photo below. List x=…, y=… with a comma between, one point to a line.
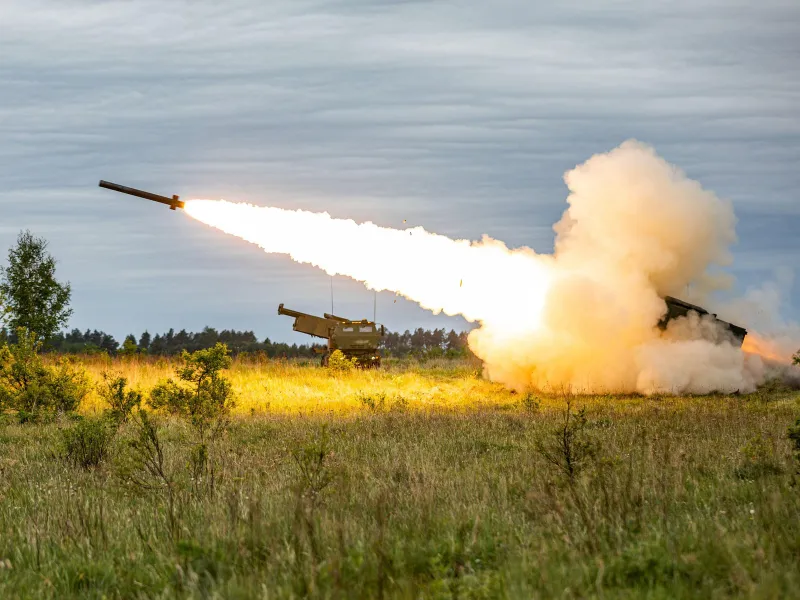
x=357, y=340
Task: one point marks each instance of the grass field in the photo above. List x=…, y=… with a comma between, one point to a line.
x=413, y=482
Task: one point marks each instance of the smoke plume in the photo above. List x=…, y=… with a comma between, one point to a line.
x=584, y=318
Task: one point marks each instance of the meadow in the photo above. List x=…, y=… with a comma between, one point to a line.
x=419, y=480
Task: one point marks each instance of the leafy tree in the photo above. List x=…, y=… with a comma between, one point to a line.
x=796, y=358
x=32, y=298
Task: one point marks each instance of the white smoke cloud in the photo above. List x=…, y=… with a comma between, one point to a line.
x=636, y=229
x=584, y=318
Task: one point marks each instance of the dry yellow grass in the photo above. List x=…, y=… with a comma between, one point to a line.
x=301, y=387
x=286, y=387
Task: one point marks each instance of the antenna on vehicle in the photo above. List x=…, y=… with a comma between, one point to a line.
x=375, y=307
x=332, y=311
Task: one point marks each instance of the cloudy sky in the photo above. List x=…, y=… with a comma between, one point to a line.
x=460, y=116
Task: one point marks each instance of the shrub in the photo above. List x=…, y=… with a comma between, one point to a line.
x=87, y=443
x=31, y=387
x=205, y=397
x=121, y=401
x=171, y=397
x=570, y=448
x=530, y=403
x=67, y=384
x=203, y=394
x=22, y=372
x=145, y=466
x=144, y=463
x=339, y=364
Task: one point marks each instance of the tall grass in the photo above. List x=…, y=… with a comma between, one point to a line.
x=457, y=493
x=297, y=387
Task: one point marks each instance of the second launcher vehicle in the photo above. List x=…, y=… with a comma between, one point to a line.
x=357, y=340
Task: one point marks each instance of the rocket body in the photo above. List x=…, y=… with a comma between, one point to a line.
x=173, y=202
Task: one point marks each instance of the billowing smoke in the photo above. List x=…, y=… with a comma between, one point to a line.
x=584, y=318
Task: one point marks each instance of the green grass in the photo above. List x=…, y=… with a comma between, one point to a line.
x=445, y=495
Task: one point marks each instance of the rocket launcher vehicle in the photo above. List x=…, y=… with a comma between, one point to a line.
x=357, y=340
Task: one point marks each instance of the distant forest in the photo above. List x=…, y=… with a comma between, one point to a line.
x=437, y=342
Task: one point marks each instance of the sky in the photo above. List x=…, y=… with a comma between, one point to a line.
x=459, y=116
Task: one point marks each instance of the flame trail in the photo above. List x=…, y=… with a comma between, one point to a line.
x=583, y=318
x=457, y=277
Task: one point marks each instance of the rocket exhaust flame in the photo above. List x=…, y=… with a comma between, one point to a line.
x=585, y=318
x=769, y=349
x=456, y=277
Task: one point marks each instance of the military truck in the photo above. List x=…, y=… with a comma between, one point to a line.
x=679, y=308
x=357, y=340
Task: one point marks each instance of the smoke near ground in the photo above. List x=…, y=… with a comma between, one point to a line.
x=584, y=318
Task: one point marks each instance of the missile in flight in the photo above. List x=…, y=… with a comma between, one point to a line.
x=173, y=202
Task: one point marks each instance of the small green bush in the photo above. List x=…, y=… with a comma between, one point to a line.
x=67, y=384
x=339, y=364
x=87, y=443
x=33, y=388
x=121, y=401
x=203, y=393
x=171, y=397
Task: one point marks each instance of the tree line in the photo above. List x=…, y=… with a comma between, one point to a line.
x=436, y=342
x=173, y=343
x=430, y=343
